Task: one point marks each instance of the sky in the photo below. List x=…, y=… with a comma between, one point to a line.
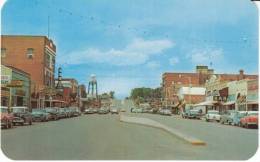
x=131, y=43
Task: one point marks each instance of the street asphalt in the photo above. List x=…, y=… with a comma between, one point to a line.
x=104, y=137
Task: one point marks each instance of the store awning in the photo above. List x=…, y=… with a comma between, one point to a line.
x=252, y=102
x=58, y=101
x=206, y=103
x=229, y=103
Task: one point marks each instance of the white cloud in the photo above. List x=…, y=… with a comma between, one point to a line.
x=205, y=56
x=137, y=52
x=174, y=60
x=153, y=64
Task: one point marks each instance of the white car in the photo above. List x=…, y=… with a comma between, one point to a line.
x=114, y=110
x=213, y=115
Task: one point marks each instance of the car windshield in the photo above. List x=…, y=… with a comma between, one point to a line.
x=37, y=111
x=241, y=115
x=18, y=110
x=213, y=112
x=252, y=113
x=4, y=110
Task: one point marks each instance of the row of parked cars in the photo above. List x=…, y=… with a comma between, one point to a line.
x=22, y=115
x=237, y=118
x=162, y=111
x=103, y=110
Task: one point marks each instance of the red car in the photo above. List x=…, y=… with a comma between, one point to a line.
x=250, y=120
x=6, y=118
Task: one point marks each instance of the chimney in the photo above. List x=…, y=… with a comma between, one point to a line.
x=241, y=74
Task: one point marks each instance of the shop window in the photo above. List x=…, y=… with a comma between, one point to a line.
x=3, y=52
x=30, y=53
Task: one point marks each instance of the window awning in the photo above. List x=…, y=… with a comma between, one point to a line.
x=229, y=103
x=206, y=103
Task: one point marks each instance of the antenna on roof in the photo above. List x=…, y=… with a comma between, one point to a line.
x=48, y=26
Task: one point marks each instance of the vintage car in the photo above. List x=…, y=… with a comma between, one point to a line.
x=122, y=110
x=21, y=115
x=103, y=110
x=212, y=115
x=68, y=112
x=75, y=111
x=192, y=114
x=40, y=115
x=62, y=113
x=6, y=118
x=225, y=118
x=89, y=111
x=95, y=110
x=233, y=117
x=53, y=113
x=251, y=119
x=136, y=110
x=165, y=112
x=114, y=110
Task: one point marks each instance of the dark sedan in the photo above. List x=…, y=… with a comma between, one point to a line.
x=40, y=115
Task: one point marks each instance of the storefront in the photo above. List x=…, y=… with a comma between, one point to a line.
x=20, y=87
x=252, y=95
x=6, y=76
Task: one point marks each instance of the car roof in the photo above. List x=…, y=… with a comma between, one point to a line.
x=20, y=107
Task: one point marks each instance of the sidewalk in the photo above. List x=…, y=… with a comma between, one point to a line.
x=155, y=124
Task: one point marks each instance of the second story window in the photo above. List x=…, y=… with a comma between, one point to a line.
x=3, y=52
x=30, y=53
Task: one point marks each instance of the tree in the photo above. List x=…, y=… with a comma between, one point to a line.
x=112, y=94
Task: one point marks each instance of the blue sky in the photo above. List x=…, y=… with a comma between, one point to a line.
x=131, y=43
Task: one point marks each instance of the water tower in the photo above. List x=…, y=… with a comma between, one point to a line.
x=92, y=87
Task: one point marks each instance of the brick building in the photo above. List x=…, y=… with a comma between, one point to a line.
x=70, y=90
x=172, y=82
x=34, y=55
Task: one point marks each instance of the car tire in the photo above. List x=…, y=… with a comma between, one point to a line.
x=10, y=124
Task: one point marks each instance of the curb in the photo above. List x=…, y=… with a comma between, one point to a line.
x=152, y=123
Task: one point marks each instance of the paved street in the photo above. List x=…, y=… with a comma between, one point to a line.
x=104, y=137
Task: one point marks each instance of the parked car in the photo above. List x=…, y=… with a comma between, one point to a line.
x=212, y=115
x=62, y=113
x=53, y=113
x=68, y=112
x=95, y=110
x=251, y=119
x=235, y=117
x=21, y=115
x=165, y=112
x=192, y=114
x=6, y=118
x=114, y=110
x=122, y=110
x=89, y=111
x=40, y=115
x=103, y=110
x=75, y=111
x=136, y=110
x=226, y=117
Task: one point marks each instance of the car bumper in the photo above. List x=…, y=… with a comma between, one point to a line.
x=37, y=118
x=18, y=120
x=252, y=123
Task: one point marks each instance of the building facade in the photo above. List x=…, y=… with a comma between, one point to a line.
x=35, y=55
x=172, y=82
x=70, y=91
x=19, y=85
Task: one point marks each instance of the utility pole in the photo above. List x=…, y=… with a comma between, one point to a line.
x=48, y=26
